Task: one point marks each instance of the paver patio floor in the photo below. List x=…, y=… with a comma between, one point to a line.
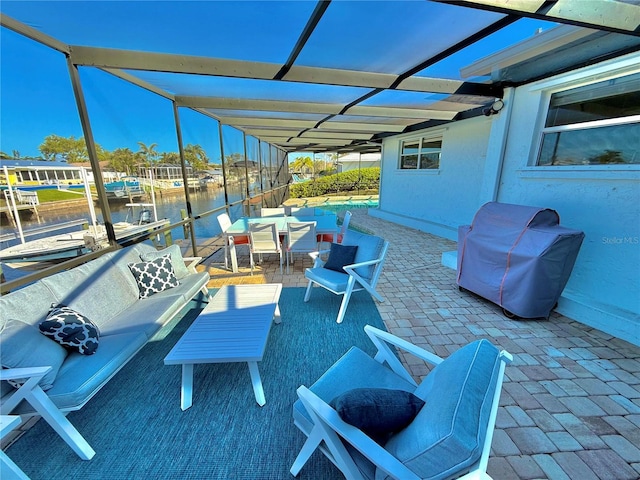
x=570, y=408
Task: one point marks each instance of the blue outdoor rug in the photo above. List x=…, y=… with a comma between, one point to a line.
x=138, y=431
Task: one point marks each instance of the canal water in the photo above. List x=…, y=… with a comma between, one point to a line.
x=168, y=205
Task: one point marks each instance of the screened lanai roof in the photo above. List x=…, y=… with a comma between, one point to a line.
x=331, y=75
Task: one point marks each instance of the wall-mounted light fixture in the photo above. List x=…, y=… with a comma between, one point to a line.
x=494, y=108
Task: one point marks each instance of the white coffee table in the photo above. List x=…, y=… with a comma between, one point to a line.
x=233, y=327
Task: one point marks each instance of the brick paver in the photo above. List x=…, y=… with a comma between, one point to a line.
x=570, y=407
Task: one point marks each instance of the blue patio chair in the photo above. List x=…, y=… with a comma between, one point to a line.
x=349, y=269
x=439, y=429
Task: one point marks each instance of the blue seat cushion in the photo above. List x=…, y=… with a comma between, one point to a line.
x=334, y=281
x=448, y=435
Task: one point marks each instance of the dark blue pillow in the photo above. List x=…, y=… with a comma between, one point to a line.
x=378, y=412
x=339, y=256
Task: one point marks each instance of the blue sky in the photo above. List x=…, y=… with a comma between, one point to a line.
x=36, y=97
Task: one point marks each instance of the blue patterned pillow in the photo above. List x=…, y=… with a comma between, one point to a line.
x=71, y=329
x=154, y=276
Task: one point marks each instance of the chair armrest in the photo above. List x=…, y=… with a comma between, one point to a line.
x=382, y=340
x=353, y=266
x=374, y=452
x=191, y=263
x=315, y=256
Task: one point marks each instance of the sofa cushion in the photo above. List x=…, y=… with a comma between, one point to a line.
x=154, y=276
x=369, y=248
x=22, y=345
x=71, y=329
x=339, y=256
x=177, y=261
x=146, y=316
x=378, y=412
x=95, y=289
x=449, y=434
x=30, y=304
x=81, y=376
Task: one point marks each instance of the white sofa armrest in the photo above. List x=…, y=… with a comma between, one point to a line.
x=25, y=372
x=31, y=392
x=191, y=263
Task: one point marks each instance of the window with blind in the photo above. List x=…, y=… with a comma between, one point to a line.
x=420, y=154
x=597, y=124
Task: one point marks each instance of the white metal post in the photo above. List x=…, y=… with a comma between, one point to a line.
x=13, y=204
x=87, y=192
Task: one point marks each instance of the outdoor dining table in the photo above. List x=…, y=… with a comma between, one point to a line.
x=325, y=224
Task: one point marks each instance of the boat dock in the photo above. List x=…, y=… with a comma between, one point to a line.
x=46, y=229
x=24, y=200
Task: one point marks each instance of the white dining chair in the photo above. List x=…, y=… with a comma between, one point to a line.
x=225, y=222
x=264, y=239
x=328, y=237
x=301, y=238
x=272, y=212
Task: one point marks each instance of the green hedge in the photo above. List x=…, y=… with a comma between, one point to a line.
x=365, y=180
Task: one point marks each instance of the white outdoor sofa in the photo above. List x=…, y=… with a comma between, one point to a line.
x=106, y=292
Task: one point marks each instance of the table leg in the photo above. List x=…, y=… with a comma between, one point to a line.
x=257, y=383
x=276, y=316
x=186, y=391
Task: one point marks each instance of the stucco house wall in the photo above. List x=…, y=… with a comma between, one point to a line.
x=494, y=157
x=425, y=199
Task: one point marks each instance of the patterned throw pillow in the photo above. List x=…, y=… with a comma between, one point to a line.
x=71, y=329
x=154, y=276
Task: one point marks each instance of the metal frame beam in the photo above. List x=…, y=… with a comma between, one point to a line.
x=109, y=58
x=609, y=16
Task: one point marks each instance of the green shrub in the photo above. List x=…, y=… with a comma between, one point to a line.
x=365, y=180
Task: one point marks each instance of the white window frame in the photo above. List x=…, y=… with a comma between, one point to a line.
x=430, y=137
x=610, y=70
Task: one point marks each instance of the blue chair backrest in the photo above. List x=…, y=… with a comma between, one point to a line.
x=449, y=432
x=370, y=247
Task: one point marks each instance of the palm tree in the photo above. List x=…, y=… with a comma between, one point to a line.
x=123, y=160
x=196, y=157
x=302, y=165
x=148, y=153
